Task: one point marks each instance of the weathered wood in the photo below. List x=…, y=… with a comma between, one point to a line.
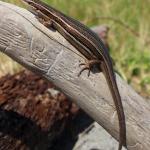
x=46, y=52
x=95, y=138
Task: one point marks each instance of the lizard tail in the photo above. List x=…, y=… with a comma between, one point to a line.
x=111, y=81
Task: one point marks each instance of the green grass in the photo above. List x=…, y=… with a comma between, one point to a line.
x=131, y=53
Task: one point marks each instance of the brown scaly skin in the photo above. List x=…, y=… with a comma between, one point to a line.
x=89, y=45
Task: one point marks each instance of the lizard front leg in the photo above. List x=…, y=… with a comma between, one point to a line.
x=42, y=18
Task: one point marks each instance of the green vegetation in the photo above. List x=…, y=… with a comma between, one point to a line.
x=130, y=52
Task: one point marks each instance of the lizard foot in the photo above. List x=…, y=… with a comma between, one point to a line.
x=88, y=65
x=42, y=18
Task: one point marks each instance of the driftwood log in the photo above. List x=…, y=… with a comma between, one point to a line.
x=47, y=53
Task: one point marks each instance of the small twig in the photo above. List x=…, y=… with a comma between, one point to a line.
x=131, y=30
x=121, y=23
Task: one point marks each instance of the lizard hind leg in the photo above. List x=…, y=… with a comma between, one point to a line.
x=88, y=65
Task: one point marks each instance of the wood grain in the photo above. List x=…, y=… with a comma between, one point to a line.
x=46, y=52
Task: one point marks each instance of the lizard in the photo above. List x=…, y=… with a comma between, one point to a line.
x=90, y=46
